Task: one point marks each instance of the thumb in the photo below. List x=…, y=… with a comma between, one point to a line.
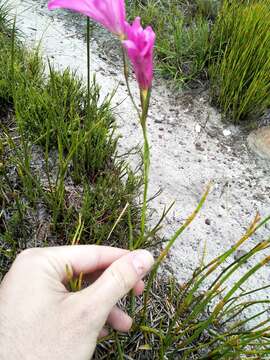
x=117, y=280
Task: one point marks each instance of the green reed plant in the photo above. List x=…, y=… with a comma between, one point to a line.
x=240, y=80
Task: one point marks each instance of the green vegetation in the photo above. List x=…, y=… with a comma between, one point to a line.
x=61, y=182
x=226, y=42
x=240, y=70
x=205, y=318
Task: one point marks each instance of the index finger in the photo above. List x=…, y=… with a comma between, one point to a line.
x=80, y=258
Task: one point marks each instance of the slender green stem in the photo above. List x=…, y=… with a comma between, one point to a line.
x=238, y=284
x=130, y=232
x=145, y=98
x=12, y=55
x=205, y=324
x=212, y=292
x=146, y=165
x=88, y=39
x=213, y=265
x=130, y=246
x=120, y=354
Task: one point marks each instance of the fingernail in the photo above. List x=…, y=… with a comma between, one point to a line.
x=142, y=261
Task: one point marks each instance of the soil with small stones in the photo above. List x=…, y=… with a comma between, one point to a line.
x=190, y=145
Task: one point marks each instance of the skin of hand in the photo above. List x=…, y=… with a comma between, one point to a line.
x=40, y=319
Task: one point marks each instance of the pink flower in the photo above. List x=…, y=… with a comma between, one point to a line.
x=139, y=44
x=109, y=13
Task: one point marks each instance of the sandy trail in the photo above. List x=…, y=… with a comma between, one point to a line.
x=190, y=146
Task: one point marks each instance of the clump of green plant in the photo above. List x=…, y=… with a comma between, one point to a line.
x=183, y=55
x=9, y=51
x=5, y=20
x=240, y=76
x=208, y=8
x=56, y=115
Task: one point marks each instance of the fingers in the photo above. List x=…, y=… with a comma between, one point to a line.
x=138, y=288
x=117, y=280
x=90, y=278
x=103, y=332
x=80, y=258
x=119, y=320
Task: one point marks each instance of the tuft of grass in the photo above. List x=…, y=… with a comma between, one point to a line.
x=240, y=70
x=208, y=8
x=5, y=19
x=183, y=56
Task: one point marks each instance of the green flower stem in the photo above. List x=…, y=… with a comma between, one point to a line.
x=145, y=99
x=146, y=165
x=88, y=39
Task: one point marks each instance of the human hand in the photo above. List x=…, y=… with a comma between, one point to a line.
x=40, y=319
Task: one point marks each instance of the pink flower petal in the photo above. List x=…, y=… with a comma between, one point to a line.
x=109, y=13
x=140, y=47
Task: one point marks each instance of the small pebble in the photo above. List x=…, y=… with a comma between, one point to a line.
x=226, y=132
x=198, y=128
x=199, y=147
x=239, y=253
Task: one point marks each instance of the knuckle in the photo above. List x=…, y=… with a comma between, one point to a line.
x=28, y=255
x=29, y=252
